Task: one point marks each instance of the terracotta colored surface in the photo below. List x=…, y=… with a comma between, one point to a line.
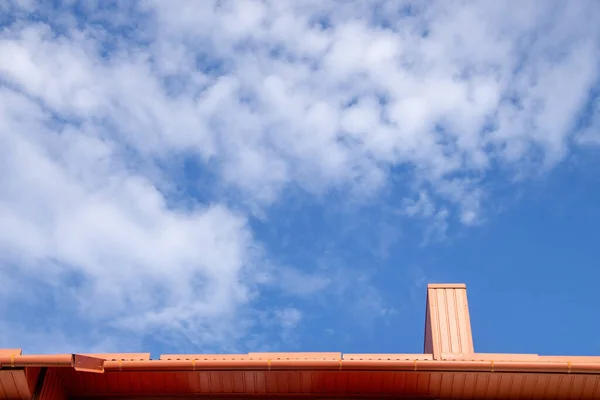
x=120, y=356
x=353, y=375
x=449, y=369
x=428, y=340
x=388, y=357
x=508, y=357
x=10, y=352
x=77, y=361
x=13, y=385
x=447, y=322
x=53, y=387
x=446, y=286
x=335, y=384
x=166, y=357
x=33, y=374
x=298, y=356
x=415, y=364
x=254, y=356
x=18, y=383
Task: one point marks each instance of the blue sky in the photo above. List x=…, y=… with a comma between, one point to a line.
x=233, y=176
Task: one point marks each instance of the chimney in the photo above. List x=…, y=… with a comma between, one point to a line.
x=447, y=323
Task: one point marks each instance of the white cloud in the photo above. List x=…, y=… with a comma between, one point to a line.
x=268, y=95
x=456, y=78
x=590, y=134
x=290, y=317
x=69, y=206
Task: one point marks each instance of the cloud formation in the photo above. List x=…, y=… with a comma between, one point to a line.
x=137, y=140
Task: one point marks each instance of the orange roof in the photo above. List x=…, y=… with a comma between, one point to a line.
x=449, y=368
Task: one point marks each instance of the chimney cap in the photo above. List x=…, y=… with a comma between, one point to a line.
x=446, y=286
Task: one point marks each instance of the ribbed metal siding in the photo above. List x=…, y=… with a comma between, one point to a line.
x=448, y=326
x=13, y=385
x=53, y=387
x=428, y=347
x=468, y=385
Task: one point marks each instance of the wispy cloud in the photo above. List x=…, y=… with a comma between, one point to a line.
x=100, y=106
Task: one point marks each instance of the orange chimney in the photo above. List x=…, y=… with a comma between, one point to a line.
x=447, y=323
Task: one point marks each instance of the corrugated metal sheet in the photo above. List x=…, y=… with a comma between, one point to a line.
x=298, y=356
x=510, y=357
x=389, y=357
x=204, y=357
x=336, y=384
x=334, y=356
x=428, y=346
x=120, y=356
x=33, y=374
x=53, y=387
x=17, y=383
x=13, y=385
x=448, y=326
